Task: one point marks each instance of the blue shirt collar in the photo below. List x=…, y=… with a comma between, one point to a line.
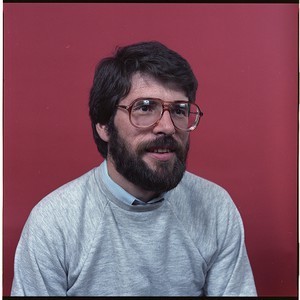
x=119, y=192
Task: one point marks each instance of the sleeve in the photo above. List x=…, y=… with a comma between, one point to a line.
x=230, y=272
x=39, y=268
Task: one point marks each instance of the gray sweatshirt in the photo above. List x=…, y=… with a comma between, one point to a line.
x=82, y=241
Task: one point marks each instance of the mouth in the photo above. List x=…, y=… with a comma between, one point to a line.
x=163, y=149
x=160, y=150
x=161, y=154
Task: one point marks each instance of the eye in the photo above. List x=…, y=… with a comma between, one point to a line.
x=144, y=106
x=181, y=109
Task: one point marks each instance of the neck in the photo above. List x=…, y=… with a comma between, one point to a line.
x=128, y=186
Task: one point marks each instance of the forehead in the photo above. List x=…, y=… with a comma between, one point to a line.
x=146, y=86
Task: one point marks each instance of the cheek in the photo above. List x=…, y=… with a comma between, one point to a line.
x=130, y=138
x=184, y=138
x=125, y=130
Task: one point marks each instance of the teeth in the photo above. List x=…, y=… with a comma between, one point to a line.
x=161, y=150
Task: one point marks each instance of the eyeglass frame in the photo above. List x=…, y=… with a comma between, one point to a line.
x=165, y=107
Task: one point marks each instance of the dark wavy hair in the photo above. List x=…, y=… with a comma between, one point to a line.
x=112, y=80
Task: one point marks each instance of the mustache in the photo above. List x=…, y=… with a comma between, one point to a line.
x=160, y=142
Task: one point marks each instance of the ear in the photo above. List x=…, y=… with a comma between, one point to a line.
x=102, y=131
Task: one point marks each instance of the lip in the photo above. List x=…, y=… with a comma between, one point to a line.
x=160, y=150
x=161, y=156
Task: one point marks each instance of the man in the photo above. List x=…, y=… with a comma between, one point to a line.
x=139, y=224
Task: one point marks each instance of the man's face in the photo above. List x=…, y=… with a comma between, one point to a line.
x=151, y=158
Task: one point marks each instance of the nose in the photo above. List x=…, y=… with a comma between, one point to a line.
x=165, y=124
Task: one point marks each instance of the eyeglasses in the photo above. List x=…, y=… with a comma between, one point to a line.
x=147, y=112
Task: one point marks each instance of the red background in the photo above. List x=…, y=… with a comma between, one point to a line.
x=245, y=57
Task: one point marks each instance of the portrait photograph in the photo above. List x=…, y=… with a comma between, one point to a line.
x=96, y=90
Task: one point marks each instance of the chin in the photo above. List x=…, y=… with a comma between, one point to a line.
x=153, y=164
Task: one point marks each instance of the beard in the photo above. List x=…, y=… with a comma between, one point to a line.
x=129, y=163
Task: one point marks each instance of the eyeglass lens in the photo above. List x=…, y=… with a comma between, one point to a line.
x=146, y=112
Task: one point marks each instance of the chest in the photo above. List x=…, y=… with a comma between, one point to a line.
x=145, y=256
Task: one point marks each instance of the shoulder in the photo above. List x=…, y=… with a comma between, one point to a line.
x=201, y=203
x=68, y=205
x=200, y=192
x=64, y=220
x=207, y=213
x=72, y=194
